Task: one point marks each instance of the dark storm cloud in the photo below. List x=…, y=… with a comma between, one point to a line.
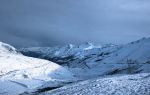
x=52, y=22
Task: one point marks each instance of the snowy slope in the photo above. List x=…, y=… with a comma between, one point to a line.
x=19, y=73
x=138, y=51
x=120, y=85
x=5, y=48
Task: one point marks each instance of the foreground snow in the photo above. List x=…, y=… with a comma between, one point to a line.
x=120, y=85
x=19, y=73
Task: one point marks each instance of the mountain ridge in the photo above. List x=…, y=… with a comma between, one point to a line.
x=98, y=61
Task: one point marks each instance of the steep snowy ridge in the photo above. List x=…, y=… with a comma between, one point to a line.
x=18, y=72
x=5, y=48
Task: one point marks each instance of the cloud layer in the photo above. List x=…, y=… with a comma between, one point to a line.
x=54, y=22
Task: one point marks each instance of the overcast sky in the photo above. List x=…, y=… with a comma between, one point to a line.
x=25, y=23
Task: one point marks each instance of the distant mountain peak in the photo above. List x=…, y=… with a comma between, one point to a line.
x=70, y=46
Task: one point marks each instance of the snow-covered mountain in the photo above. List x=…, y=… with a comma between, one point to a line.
x=138, y=51
x=108, y=64
x=19, y=73
x=60, y=51
x=81, y=60
x=97, y=60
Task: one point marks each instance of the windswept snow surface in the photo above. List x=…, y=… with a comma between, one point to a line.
x=138, y=84
x=19, y=73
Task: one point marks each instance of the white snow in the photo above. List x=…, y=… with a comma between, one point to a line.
x=19, y=73
x=5, y=48
x=120, y=85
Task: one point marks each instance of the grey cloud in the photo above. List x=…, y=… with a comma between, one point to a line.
x=57, y=22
